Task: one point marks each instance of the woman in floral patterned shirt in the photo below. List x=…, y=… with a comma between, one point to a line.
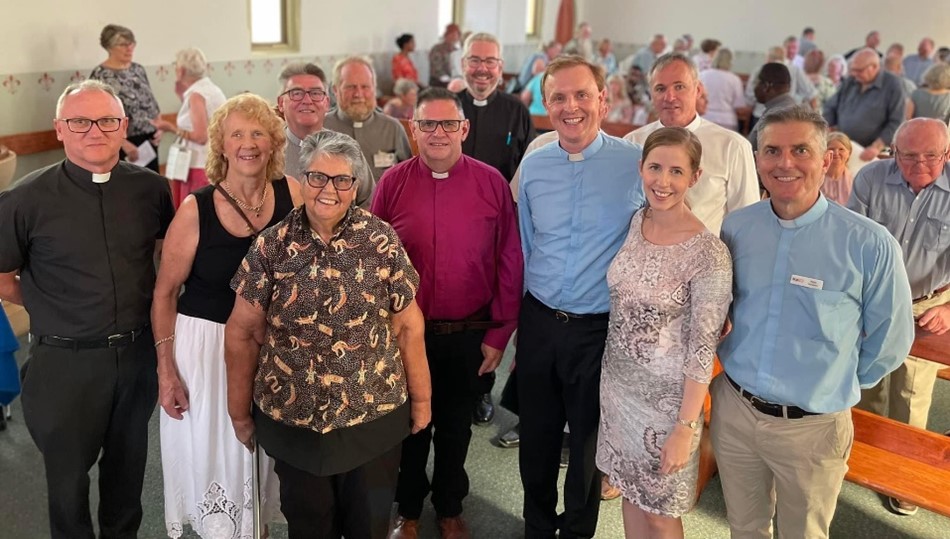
x=325, y=352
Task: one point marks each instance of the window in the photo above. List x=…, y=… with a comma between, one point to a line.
x=450, y=11
x=274, y=25
x=533, y=19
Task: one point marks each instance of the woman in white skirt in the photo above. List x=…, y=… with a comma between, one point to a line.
x=207, y=471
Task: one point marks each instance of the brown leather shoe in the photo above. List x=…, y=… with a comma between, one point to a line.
x=608, y=491
x=404, y=528
x=454, y=528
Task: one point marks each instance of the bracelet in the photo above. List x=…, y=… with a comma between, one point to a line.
x=170, y=338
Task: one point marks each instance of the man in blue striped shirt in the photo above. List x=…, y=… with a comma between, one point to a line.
x=822, y=309
x=576, y=199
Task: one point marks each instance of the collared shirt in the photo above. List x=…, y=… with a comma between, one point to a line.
x=728, y=181
x=295, y=169
x=915, y=67
x=330, y=359
x=643, y=59
x=526, y=72
x=383, y=140
x=574, y=212
x=462, y=236
x=85, y=250
x=213, y=97
x=867, y=115
x=821, y=305
x=920, y=222
x=500, y=131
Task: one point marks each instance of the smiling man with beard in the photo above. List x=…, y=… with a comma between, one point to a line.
x=575, y=202
x=382, y=139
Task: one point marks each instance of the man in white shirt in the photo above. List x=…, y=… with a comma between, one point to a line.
x=728, y=181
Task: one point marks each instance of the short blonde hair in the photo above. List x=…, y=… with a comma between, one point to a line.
x=253, y=108
x=838, y=136
x=937, y=77
x=192, y=61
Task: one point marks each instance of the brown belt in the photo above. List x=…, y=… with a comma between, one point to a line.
x=936, y=292
x=474, y=322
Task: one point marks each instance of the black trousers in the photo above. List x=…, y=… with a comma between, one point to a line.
x=78, y=403
x=354, y=504
x=453, y=366
x=559, y=380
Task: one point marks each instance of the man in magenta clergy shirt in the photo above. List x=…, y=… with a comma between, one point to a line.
x=456, y=218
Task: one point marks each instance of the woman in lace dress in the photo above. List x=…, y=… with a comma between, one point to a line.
x=670, y=288
x=206, y=470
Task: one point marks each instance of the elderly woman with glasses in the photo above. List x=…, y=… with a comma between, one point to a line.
x=206, y=470
x=326, y=363
x=199, y=99
x=131, y=83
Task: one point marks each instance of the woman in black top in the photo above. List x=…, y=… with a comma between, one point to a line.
x=206, y=469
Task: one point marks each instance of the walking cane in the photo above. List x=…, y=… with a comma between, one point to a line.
x=256, y=487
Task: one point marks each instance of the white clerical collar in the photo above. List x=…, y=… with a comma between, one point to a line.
x=440, y=175
x=575, y=157
x=101, y=178
x=479, y=102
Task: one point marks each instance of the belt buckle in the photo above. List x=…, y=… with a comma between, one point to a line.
x=113, y=340
x=562, y=316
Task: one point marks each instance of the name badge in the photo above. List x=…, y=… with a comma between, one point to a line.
x=808, y=282
x=384, y=160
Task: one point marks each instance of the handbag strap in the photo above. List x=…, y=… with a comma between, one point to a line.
x=254, y=231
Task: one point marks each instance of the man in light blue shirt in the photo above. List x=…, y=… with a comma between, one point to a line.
x=575, y=202
x=822, y=308
x=915, y=65
x=910, y=195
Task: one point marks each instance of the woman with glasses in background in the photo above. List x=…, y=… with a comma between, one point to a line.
x=207, y=472
x=326, y=360
x=130, y=81
x=199, y=99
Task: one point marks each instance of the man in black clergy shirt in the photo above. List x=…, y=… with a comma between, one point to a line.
x=499, y=133
x=77, y=250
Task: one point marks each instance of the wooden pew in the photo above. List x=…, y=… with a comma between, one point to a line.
x=407, y=125
x=900, y=461
x=44, y=141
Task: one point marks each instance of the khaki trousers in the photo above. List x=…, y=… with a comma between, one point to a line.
x=905, y=394
x=788, y=468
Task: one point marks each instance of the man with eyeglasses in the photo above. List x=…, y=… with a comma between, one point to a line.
x=78, y=250
x=303, y=103
x=869, y=105
x=456, y=218
x=500, y=131
x=910, y=195
x=381, y=137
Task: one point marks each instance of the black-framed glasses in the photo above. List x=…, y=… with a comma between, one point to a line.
x=319, y=180
x=83, y=125
x=926, y=158
x=296, y=94
x=490, y=62
x=429, y=126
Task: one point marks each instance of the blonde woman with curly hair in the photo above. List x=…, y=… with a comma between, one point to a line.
x=207, y=471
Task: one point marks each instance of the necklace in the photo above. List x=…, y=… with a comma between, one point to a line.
x=256, y=210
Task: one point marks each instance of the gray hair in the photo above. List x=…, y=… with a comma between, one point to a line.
x=112, y=33
x=300, y=68
x=192, y=61
x=784, y=115
x=404, y=86
x=937, y=76
x=671, y=58
x=86, y=86
x=915, y=122
x=356, y=59
x=486, y=37
x=333, y=144
x=722, y=59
